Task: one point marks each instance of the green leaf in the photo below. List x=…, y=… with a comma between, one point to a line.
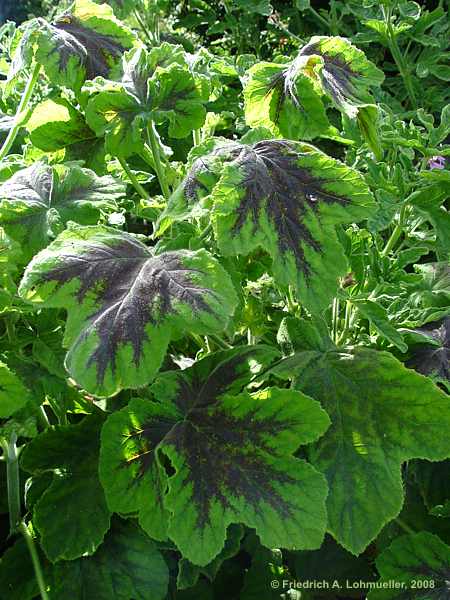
x=177, y=98
x=260, y=7
x=17, y=577
x=188, y=573
x=266, y=567
x=71, y=452
x=334, y=565
x=377, y=315
x=115, y=114
x=14, y=395
x=382, y=415
x=82, y=43
x=431, y=356
x=127, y=566
x=343, y=71
x=206, y=456
x=130, y=473
x=284, y=197
x=433, y=483
x=37, y=202
x=284, y=101
x=56, y=124
x=124, y=303
x=156, y=85
x=419, y=563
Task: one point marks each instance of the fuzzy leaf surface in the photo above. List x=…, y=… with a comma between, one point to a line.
x=344, y=72
x=38, y=201
x=127, y=566
x=124, y=303
x=230, y=457
x=284, y=197
x=382, y=414
x=82, y=43
x=419, y=557
x=71, y=516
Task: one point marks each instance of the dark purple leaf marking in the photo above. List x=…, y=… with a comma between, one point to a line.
x=430, y=359
x=274, y=182
x=95, y=50
x=132, y=289
x=337, y=74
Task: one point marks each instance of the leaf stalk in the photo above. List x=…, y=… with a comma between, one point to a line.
x=157, y=158
x=18, y=120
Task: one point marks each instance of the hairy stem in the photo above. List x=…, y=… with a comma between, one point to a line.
x=404, y=526
x=399, y=59
x=157, y=158
x=11, y=455
x=196, y=136
x=335, y=319
x=398, y=229
x=18, y=120
x=142, y=26
x=133, y=179
x=35, y=560
x=319, y=17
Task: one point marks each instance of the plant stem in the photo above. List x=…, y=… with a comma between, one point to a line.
x=35, y=560
x=197, y=136
x=142, y=26
x=133, y=179
x=204, y=234
x=10, y=329
x=399, y=59
x=13, y=483
x=319, y=17
x=348, y=312
x=18, y=120
x=157, y=158
x=398, y=229
x=335, y=318
x=404, y=525
x=220, y=342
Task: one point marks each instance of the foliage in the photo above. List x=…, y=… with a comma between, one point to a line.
x=225, y=301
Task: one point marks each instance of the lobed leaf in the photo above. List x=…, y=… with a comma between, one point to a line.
x=37, y=202
x=82, y=43
x=284, y=197
x=127, y=566
x=124, y=303
x=382, y=415
x=206, y=456
x=71, y=516
x=419, y=563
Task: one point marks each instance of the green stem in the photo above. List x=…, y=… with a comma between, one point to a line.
x=18, y=120
x=197, y=136
x=142, y=26
x=348, y=312
x=404, y=526
x=220, y=342
x=13, y=483
x=35, y=560
x=335, y=318
x=157, y=158
x=398, y=229
x=133, y=179
x=399, y=60
x=319, y=17
x=291, y=303
x=204, y=234
x=10, y=329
